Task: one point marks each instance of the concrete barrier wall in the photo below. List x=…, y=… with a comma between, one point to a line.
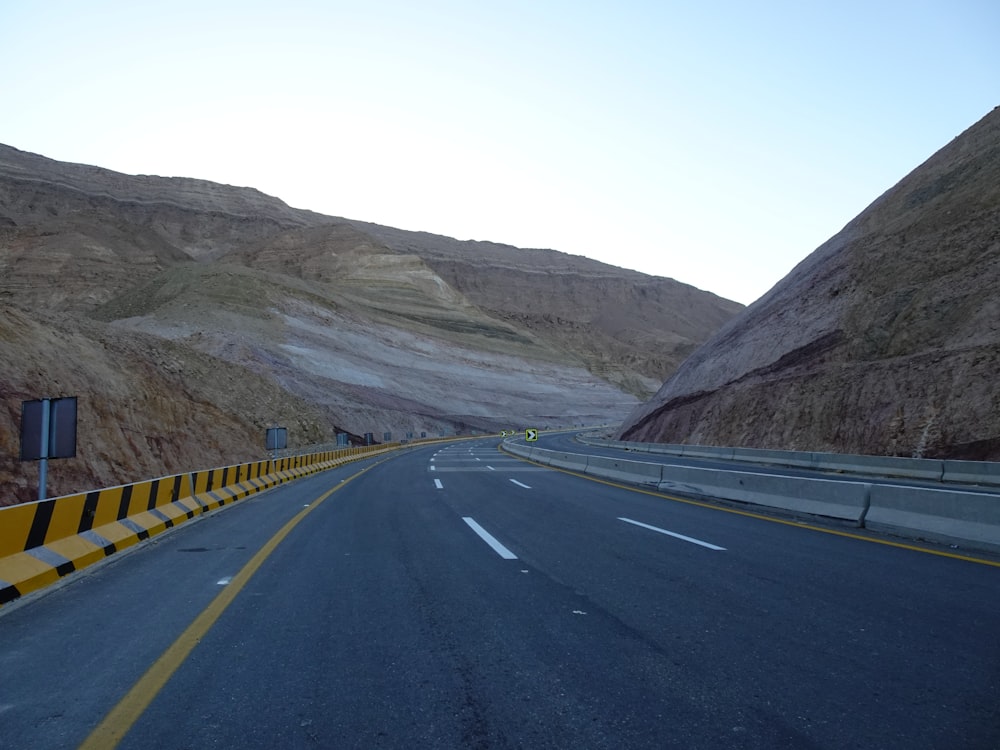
x=639, y=447
x=972, y=472
x=561, y=460
x=829, y=498
x=793, y=459
x=950, y=516
x=42, y=541
x=941, y=514
x=983, y=473
x=524, y=451
x=883, y=466
x=701, y=451
x=847, y=501
x=635, y=472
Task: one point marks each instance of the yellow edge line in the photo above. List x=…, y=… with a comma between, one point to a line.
x=123, y=716
x=770, y=519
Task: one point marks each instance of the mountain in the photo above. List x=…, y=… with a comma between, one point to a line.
x=884, y=341
x=188, y=316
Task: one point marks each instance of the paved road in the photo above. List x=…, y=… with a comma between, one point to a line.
x=455, y=597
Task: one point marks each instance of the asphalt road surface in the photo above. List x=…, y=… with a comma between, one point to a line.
x=451, y=596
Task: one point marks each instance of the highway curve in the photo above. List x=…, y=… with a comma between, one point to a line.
x=451, y=596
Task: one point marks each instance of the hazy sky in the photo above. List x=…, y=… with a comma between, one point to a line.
x=718, y=143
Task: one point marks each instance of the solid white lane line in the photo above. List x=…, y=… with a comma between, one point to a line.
x=505, y=553
x=520, y=485
x=674, y=535
x=437, y=483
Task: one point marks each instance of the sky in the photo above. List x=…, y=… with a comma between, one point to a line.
x=717, y=143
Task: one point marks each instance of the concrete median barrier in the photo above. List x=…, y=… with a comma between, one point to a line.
x=638, y=447
x=828, y=498
x=634, y=472
x=793, y=459
x=982, y=473
x=881, y=466
x=701, y=451
x=569, y=461
x=517, y=449
x=935, y=513
x=940, y=515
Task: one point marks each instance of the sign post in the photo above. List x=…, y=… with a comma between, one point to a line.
x=48, y=430
x=275, y=439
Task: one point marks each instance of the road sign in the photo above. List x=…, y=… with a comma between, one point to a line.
x=48, y=430
x=275, y=438
x=531, y=435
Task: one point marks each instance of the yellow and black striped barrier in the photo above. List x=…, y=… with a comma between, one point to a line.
x=43, y=541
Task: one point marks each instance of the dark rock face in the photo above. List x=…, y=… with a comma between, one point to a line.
x=885, y=340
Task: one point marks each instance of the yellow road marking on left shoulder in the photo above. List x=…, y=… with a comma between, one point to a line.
x=123, y=716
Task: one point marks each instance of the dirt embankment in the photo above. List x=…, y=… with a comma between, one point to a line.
x=886, y=340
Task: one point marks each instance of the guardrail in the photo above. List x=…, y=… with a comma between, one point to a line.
x=949, y=515
x=986, y=473
x=43, y=541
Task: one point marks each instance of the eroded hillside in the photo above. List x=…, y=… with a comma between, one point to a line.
x=188, y=316
x=886, y=340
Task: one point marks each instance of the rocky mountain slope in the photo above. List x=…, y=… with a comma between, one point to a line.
x=188, y=316
x=885, y=340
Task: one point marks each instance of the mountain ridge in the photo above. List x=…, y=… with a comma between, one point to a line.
x=885, y=340
x=271, y=313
